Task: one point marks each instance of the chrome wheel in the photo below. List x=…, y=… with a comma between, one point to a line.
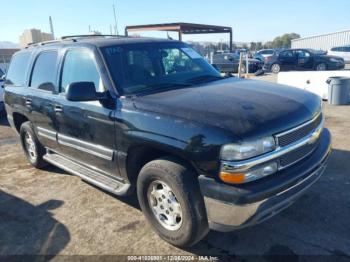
x=275, y=68
x=164, y=205
x=321, y=67
x=30, y=146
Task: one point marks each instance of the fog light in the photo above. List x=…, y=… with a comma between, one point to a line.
x=240, y=178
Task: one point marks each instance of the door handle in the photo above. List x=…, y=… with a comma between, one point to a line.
x=58, y=109
x=28, y=102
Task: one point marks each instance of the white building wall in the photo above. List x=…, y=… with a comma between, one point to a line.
x=323, y=42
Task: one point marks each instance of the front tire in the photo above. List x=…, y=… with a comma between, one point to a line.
x=170, y=198
x=321, y=67
x=275, y=68
x=32, y=148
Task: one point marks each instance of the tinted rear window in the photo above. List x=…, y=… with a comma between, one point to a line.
x=18, y=69
x=44, y=69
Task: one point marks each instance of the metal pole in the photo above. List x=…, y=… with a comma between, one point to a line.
x=180, y=35
x=247, y=64
x=231, y=41
x=115, y=21
x=240, y=64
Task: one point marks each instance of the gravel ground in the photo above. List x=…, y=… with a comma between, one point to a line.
x=50, y=212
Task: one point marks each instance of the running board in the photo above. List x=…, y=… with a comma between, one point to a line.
x=105, y=182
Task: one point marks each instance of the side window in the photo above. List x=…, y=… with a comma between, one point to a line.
x=303, y=54
x=17, y=73
x=79, y=66
x=44, y=71
x=347, y=49
x=287, y=54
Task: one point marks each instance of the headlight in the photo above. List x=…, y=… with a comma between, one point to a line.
x=249, y=149
x=334, y=60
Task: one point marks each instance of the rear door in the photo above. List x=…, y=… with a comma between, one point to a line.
x=41, y=99
x=86, y=131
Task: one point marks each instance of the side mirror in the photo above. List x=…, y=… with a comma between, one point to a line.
x=83, y=91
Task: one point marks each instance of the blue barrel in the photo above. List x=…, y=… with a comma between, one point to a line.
x=338, y=90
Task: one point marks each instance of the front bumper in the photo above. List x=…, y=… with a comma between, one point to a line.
x=231, y=207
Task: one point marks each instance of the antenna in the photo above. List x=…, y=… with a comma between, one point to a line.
x=51, y=27
x=115, y=21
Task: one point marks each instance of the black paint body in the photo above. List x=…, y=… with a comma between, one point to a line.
x=191, y=123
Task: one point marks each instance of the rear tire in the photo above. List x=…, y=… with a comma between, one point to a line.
x=185, y=202
x=32, y=148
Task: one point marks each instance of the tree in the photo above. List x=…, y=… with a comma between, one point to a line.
x=253, y=46
x=284, y=41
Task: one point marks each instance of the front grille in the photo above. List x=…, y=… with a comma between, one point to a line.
x=299, y=133
x=296, y=155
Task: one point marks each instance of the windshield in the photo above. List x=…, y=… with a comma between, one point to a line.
x=156, y=66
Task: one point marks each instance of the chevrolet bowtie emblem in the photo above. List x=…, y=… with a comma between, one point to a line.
x=315, y=135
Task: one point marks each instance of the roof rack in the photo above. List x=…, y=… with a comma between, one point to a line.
x=87, y=36
x=73, y=38
x=42, y=43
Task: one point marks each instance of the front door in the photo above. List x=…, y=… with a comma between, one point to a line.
x=288, y=60
x=86, y=131
x=304, y=60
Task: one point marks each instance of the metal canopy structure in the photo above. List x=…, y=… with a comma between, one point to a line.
x=182, y=28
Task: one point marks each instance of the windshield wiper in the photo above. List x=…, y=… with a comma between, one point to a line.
x=162, y=87
x=204, y=79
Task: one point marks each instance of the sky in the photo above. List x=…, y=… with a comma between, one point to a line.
x=252, y=20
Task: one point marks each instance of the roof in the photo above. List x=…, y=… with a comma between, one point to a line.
x=185, y=28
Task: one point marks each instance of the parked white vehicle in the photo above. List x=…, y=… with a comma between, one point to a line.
x=312, y=81
x=342, y=51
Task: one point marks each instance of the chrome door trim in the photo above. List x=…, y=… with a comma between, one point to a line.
x=45, y=133
x=92, y=149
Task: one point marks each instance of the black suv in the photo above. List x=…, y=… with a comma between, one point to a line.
x=152, y=116
x=303, y=60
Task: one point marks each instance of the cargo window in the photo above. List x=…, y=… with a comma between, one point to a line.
x=79, y=66
x=18, y=70
x=44, y=71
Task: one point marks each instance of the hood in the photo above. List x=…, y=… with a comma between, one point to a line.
x=245, y=108
x=325, y=56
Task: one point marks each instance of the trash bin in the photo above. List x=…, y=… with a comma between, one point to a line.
x=338, y=90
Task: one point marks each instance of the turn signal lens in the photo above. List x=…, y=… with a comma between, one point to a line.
x=240, y=178
x=232, y=178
